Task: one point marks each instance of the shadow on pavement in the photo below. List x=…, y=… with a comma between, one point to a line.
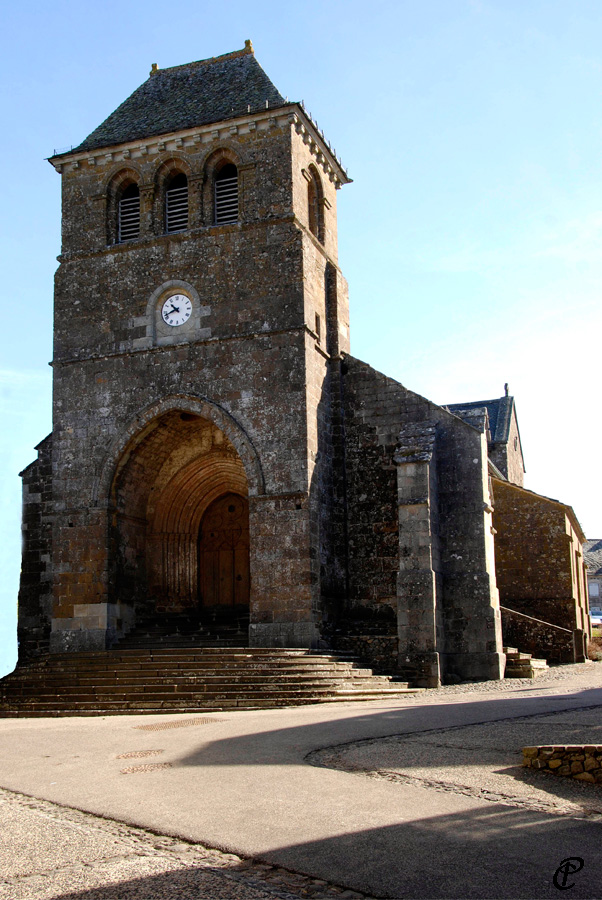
x=283, y=746
x=490, y=853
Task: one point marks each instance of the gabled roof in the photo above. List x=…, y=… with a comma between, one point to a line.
x=499, y=412
x=198, y=93
x=592, y=554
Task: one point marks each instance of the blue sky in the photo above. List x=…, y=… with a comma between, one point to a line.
x=470, y=236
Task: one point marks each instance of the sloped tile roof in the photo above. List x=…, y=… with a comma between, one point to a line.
x=592, y=554
x=199, y=93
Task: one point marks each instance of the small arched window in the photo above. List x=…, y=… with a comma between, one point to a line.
x=176, y=204
x=315, y=204
x=226, y=195
x=128, y=214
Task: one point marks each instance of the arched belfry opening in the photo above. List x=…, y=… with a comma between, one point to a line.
x=180, y=525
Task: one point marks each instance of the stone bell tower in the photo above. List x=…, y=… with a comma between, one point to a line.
x=200, y=315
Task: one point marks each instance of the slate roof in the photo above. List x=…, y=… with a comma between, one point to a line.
x=499, y=412
x=198, y=93
x=592, y=554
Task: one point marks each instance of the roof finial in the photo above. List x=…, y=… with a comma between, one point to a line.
x=249, y=46
x=506, y=389
x=154, y=69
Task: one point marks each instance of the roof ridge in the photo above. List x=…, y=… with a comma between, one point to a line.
x=234, y=54
x=480, y=402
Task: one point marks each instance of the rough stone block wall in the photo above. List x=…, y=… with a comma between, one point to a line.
x=35, y=592
x=540, y=639
x=267, y=300
x=538, y=558
x=379, y=652
x=376, y=408
x=579, y=761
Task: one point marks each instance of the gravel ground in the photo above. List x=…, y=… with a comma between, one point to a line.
x=485, y=760
x=587, y=675
x=39, y=842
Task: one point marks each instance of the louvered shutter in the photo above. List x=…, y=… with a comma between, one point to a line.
x=176, y=208
x=129, y=217
x=226, y=197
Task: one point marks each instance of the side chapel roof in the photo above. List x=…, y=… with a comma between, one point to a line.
x=499, y=412
x=198, y=93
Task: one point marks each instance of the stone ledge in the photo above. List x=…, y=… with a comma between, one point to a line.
x=580, y=761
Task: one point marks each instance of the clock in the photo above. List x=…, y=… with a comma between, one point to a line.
x=176, y=310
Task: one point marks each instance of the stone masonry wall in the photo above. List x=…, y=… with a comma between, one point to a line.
x=376, y=408
x=258, y=289
x=584, y=763
x=35, y=592
x=540, y=639
x=538, y=558
x=508, y=456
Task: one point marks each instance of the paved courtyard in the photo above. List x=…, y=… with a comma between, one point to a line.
x=423, y=797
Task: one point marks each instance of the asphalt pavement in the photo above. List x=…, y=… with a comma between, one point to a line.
x=301, y=791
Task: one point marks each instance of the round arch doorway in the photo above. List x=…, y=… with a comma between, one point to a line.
x=177, y=550
x=223, y=555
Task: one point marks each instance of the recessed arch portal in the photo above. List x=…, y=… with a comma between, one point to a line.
x=146, y=420
x=163, y=487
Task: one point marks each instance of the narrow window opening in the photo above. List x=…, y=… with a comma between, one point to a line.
x=128, y=224
x=176, y=204
x=318, y=327
x=226, y=195
x=315, y=205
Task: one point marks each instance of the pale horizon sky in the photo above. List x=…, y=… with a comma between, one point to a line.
x=470, y=236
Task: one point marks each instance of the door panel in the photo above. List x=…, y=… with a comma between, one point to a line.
x=224, y=553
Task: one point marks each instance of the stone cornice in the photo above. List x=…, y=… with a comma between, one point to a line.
x=325, y=155
x=192, y=140
x=187, y=141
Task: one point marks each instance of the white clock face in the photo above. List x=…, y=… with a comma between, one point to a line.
x=176, y=310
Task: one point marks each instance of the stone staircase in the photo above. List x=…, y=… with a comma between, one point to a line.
x=523, y=665
x=185, y=680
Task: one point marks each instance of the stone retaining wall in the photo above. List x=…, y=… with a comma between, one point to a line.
x=540, y=639
x=575, y=761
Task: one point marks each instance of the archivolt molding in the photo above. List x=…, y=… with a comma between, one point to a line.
x=143, y=423
x=181, y=504
x=227, y=150
x=120, y=174
x=171, y=165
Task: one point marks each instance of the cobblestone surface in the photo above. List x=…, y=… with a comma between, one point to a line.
x=49, y=852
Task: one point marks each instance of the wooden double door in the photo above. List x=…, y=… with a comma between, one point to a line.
x=224, y=553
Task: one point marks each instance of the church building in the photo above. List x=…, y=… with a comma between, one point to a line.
x=217, y=453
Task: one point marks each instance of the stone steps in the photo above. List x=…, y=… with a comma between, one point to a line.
x=177, y=680
x=523, y=665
